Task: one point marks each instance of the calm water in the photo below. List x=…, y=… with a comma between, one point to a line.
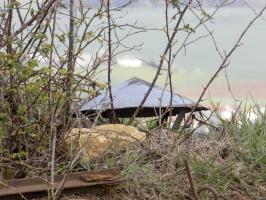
x=194, y=67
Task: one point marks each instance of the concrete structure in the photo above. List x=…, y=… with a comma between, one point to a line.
x=128, y=96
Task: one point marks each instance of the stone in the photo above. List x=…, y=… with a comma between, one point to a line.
x=96, y=141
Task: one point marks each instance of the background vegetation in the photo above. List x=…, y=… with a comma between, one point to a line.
x=41, y=90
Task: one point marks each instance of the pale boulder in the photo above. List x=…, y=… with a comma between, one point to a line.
x=95, y=142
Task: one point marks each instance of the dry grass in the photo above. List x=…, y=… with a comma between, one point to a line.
x=155, y=170
x=233, y=166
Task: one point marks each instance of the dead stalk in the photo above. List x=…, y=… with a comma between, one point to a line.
x=70, y=67
x=191, y=181
x=51, y=117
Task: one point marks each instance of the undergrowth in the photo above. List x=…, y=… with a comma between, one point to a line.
x=233, y=164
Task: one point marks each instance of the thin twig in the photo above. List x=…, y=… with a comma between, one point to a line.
x=211, y=190
x=168, y=47
x=222, y=66
x=113, y=117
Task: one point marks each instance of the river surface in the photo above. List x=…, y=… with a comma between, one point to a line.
x=193, y=66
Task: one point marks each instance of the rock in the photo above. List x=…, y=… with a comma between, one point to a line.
x=11, y=172
x=95, y=142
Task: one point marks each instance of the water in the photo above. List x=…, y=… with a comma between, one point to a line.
x=193, y=67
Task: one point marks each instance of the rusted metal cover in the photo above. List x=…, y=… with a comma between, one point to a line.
x=128, y=96
x=9, y=189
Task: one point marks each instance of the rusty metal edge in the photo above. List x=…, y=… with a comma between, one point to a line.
x=109, y=177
